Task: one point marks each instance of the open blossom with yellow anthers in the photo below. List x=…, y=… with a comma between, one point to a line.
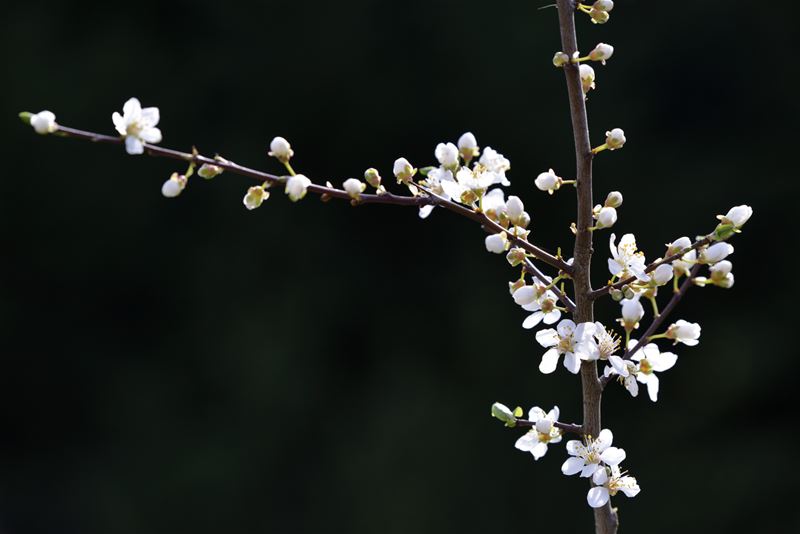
x=575, y=342
x=610, y=481
x=543, y=433
x=138, y=125
x=495, y=163
x=607, y=341
x=541, y=301
x=587, y=457
x=643, y=366
x=469, y=186
x=626, y=260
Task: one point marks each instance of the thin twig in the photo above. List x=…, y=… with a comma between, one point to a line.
x=385, y=198
x=566, y=427
x=659, y=319
x=531, y=268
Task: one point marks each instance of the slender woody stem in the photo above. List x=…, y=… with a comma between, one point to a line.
x=385, y=198
x=605, y=518
x=566, y=427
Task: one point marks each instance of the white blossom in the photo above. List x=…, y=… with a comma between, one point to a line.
x=632, y=313
x=354, y=187
x=683, y=265
x=515, y=211
x=716, y=252
x=662, y=274
x=601, y=52
x=541, y=301
x=649, y=361
x=587, y=77
x=607, y=216
x=447, y=154
x=496, y=164
x=721, y=274
x=626, y=260
x=548, y=181
x=607, y=341
x=613, y=200
x=297, y=186
x=468, y=186
x=586, y=458
x=493, y=203
x=684, y=332
x=575, y=342
x=603, y=5
x=280, y=149
x=468, y=146
x=609, y=486
x=209, y=171
x=403, y=170
x=138, y=125
x=255, y=196
x=44, y=122
x=615, y=139
x=174, y=185
x=496, y=243
x=627, y=371
x=737, y=215
x=543, y=432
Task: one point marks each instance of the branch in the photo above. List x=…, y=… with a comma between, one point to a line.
x=566, y=427
x=531, y=268
x=659, y=319
x=605, y=290
x=386, y=198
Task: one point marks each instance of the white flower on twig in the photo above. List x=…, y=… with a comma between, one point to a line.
x=138, y=125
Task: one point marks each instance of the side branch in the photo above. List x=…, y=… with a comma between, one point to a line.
x=659, y=319
x=565, y=300
x=596, y=294
x=385, y=198
x=566, y=427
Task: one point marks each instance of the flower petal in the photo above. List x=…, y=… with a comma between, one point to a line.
x=597, y=497
x=572, y=465
x=549, y=361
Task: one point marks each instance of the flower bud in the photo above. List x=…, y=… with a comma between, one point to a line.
x=601, y=52
x=43, y=122
x=280, y=149
x=373, y=177
x=354, y=187
x=603, y=5
x=617, y=295
x=504, y=414
x=727, y=282
x=628, y=292
x=614, y=199
x=496, y=243
x=662, y=274
x=684, y=332
x=615, y=139
x=255, y=196
x=297, y=187
x=607, y=216
x=737, y=216
x=716, y=252
x=720, y=270
x=514, y=286
x=548, y=181
x=174, y=185
x=516, y=256
x=599, y=16
x=468, y=146
x=587, y=77
x=632, y=312
x=403, y=170
x=209, y=171
x=447, y=155
x=560, y=59
x=526, y=295
x=678, y=245
x=514, y=208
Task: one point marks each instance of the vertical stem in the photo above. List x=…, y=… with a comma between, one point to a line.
x=605, y=518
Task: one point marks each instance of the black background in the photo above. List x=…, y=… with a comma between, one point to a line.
x=188, y=366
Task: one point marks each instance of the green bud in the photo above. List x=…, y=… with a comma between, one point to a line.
x=25, y=117
x=504, y=414
x=617, y=295
x=723, y=232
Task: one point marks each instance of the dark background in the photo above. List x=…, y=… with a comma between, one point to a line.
x=185, y=365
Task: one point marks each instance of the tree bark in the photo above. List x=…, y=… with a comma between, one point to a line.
x=605, y=518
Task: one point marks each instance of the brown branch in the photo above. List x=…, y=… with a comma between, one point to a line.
x=596, y=294
x=660, y=318
x=531, y=268
x=605, y=519
x=566, y=427
x=386, y=198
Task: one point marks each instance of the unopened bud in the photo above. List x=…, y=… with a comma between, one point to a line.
x=504, y=414
x=560, y=59
x=280, y=149
x=209, y=171
x=255, y=196
x=598, y=16
x=373, y=177
x=614, y=199
x=354, y=187
x=615, y=138
x=403, y=170
x=516, y=256
x=601, y=52
x=174, y=185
